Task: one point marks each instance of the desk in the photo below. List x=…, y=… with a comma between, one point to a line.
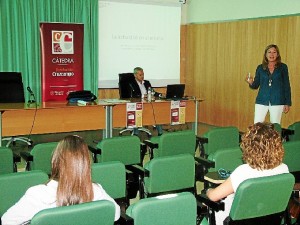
x=57, y=117
x=157, y=112
x=214, y=178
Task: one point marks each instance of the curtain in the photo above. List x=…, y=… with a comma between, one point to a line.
x=20, y=37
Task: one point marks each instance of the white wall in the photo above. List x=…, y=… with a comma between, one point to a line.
x=207, y=11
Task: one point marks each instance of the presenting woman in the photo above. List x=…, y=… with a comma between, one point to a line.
x=272, y=79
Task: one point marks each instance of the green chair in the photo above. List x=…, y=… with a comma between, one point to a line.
x=39, y=158
x=172, y=209
x=112, y=177
x=172, y=143
x=90, y=213
x=286, y=133
x=215, y=140
x=261, y=200
x=292, y=157
x=14, y=185
x=125, y=149
x=226, y=158
x=295, y=127
x=168, y=174
x=8, y=160
x=219, y=138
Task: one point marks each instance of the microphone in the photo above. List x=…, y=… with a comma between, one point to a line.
x=31, y=94
x=131, y=89
x=30, y=91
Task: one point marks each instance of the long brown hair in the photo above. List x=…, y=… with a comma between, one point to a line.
x=265, y=59
x=71, y=167
x=262, y=147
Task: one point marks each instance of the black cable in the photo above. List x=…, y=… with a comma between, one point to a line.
x=35, y=111
x=33, y=121
x=153, y=113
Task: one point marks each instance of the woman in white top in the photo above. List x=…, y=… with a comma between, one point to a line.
x=70, y=184
x=263, y=154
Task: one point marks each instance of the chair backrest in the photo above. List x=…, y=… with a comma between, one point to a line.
x=125, y=149
x=296, y=128
x=112, y=177
x=90, y=213
x=221, y=137
x=42, y=154
x=14, y=185
x=169, y=174
x=227, y=158
x=173, y=143
x=11, y=87
x=124, y=89
x=179, y=209
x=292, y=155
x=6, y=163
x=262, y=196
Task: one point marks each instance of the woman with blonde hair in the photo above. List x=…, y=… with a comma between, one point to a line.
x=262, y=153
x=272, y=80
x=70, y=184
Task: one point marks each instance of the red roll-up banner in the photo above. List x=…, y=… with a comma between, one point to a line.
x=62, y=60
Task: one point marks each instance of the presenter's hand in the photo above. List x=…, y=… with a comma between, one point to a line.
x=249, y=80
x=286, y=108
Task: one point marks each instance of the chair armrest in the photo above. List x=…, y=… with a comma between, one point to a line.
x=125, y=219
x=95, y=151
x=136, y=169
x=150, y=144
x=26, y=156
x=202, y=166
x=216, y=206
x=200, y=141
x=143, y=150
x=286, y=131
x=205, y=162
x=16, y=158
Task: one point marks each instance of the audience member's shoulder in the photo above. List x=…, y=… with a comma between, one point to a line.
x=51, y=186
x=284, y=168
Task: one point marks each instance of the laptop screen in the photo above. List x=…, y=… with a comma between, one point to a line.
x=175, y=91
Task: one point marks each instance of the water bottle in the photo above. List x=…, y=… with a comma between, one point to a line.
x=152, y=95
x=149, y=94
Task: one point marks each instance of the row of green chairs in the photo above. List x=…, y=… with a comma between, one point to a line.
x=130, y=151
x=157, y=159
x=261, y=200
x=179, y=209
x=111, y=175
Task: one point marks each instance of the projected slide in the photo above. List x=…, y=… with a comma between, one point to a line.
x=133, y=34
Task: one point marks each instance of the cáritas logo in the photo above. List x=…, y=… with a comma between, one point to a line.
x=62, y=42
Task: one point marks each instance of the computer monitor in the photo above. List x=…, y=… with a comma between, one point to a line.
x=175, y=91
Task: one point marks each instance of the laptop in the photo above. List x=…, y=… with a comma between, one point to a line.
x=175, y=91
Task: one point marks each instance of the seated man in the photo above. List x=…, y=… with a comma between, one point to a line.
x=139, y=88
